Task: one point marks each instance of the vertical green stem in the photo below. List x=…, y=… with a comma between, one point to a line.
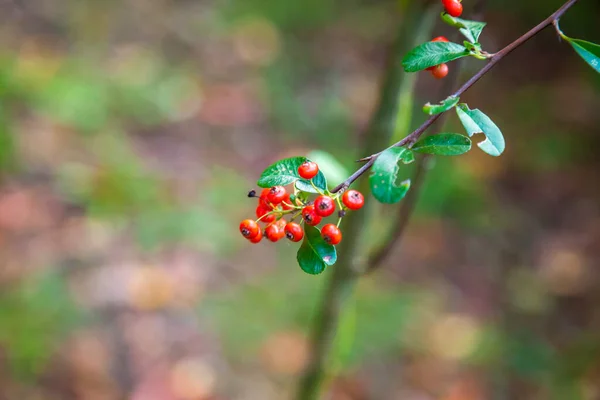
x=416, y=27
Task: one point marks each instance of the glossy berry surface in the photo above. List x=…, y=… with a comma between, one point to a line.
x=453, y=7
x=440, y=39
x=308, y=169
x=310, y=215
x=276, y=194
x=257, y=238
x=249, y=228
x=294, y=232
x=440, y=71
x=331, y=234
x=324, y=206
x=353, y=199
x=262, y=210
x=263, y=198
x=274, y=232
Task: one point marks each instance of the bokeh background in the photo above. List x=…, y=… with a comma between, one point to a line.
x=130, y=132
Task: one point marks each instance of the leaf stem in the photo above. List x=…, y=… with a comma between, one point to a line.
x=495, y=59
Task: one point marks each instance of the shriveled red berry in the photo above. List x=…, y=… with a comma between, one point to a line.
x=440, y=71
x=274, y=232
x=331, y=234
x=310, y=216
x=353, y=199
x=294, y=232
x=262, y=210
x=257, y=238
x=324, y=206
x=249, y=228
x=440, y=39
x=308, y=169
x=453, y=7
x=276, y=194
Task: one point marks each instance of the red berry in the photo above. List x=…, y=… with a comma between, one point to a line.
x=310, y=216
x=294, y=232
x=262, y=210
x=353, y=199
x=257, y=238
x=249, y=228
x=262, y=200
x=308, y=169
x=453, y=7
x=440, y=71
x=276, y=194
x=274, y=232
x=440, y=39
x=331, y=234
x=324, y=206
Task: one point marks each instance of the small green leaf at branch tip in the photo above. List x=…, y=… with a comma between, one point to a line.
x=431, y=54
x=444, y=144
x=470, y=29
x=590, y=52
x=314, y=255
x=445, y=105
x=384, y=174
x=476, y=121
x=285, y=172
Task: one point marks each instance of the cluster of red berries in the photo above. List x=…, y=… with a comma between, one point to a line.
x=275, y=203
x=453, y=7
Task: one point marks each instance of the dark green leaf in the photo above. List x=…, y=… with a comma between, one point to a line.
x=590, y=52
x=319, y=181
x=474, y=122
x=384, y=175
x=285, y=172
x=432, y=53
x=314, y=255
x=444, y=144
x=470, y=29
x=439, y=108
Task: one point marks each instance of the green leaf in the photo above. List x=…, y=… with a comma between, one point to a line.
x=444, y=144
x=474, y=122
x=285, y=172
x=333, y=170
x=384, y=175
x=314, y=255
x=470, y=29
x=407, y=156
x=432, y=53
x=590, y=52
x=472, y=47
x=443, y=106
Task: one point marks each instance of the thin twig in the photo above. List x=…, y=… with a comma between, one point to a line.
x=416, y=134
